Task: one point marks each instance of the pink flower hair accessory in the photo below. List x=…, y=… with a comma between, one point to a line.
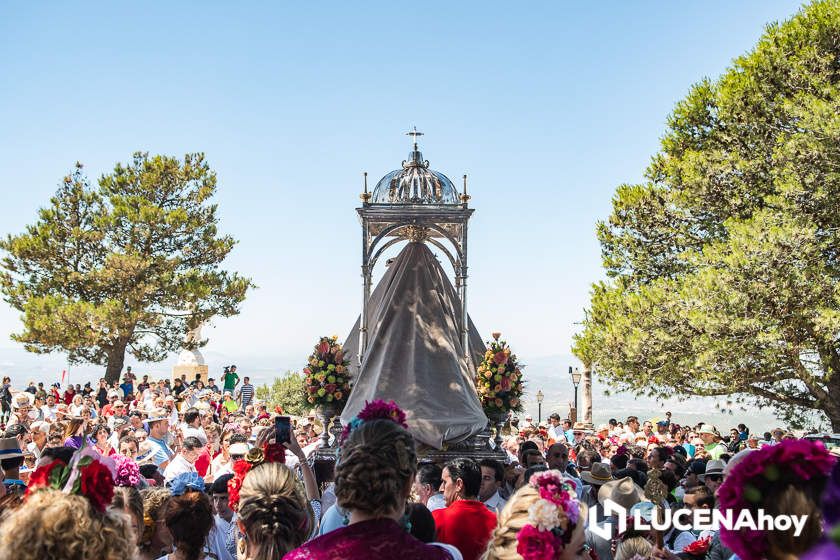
x=127, y=473
x=749, y=480
x=375, y=410
x=551, y=519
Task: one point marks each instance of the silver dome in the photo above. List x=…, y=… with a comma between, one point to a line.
x=415, y=183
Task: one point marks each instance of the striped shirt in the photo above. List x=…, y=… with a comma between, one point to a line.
x=246, y=394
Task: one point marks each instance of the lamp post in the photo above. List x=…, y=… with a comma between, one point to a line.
x=540, y=398
x=576, y=375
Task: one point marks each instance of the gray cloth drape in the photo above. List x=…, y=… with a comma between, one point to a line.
x=414, y=353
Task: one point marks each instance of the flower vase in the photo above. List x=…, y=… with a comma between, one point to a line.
x=329, y=412
x=498, y=419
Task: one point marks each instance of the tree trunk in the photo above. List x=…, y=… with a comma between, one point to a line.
x=832, y=407
x=116, y=360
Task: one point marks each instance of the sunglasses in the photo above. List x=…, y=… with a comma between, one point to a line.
x=714, y=477
x=236, y=457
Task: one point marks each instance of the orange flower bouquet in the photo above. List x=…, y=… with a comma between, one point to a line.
x=499, y=379
x=327, y=375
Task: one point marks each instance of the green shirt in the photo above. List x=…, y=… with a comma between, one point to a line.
x=230, y=405
x=230, y=379
x=715, y=450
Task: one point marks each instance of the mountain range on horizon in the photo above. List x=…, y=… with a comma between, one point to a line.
x=546, y=373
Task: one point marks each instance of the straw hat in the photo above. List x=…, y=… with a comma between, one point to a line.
x=145, y=453
x=9, y=448
x=623, y=492
x=599, y=474
x=23, y=399
x=708, y=429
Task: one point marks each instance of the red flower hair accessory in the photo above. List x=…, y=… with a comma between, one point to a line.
x=746, y=484
x=551, y=519
x=89, y=474
x=268, y=453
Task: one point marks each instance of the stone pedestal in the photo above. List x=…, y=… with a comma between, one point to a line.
x=190, y=370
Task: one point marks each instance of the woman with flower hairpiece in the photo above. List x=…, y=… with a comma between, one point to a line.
x=783, y=479
x=65, y=514
x=373, y=479
x=53, y=524
x=543, y=520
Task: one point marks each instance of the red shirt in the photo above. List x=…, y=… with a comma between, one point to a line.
x=466, y=525
x=202, y=464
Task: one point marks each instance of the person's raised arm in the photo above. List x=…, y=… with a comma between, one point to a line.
x=309, y=481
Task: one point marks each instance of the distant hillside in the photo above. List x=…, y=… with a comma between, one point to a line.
x=549, y=374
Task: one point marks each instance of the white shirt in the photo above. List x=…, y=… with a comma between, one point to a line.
x=495, y=503
x=556, y=433
x=217, y=539
x=189, y=431
x=49, y=413
x=436, y=501
x=219, y=467
x=177, y=466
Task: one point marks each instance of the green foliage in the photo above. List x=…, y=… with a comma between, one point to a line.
x=724, y=265
x=130, y=265
x=287, y=391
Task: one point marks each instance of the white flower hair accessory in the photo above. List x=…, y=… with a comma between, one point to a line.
x=551, y=519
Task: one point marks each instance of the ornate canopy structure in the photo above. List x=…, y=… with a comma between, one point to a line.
x=414, y=342
x=414, y=203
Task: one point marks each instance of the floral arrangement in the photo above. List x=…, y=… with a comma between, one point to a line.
x=551, y=519
x=499, y=379
x=699, y=547
x=773, y=465
x=375, y=410
x=127, y=473
x=88, y=474
x=327, y=375
x=268, y=453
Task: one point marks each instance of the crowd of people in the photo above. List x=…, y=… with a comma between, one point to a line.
x=191, y=471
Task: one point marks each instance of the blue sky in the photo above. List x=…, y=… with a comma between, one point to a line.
x=547, y=107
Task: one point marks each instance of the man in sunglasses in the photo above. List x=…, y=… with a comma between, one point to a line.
x=713, y=477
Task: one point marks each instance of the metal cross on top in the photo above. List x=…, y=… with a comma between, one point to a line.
x=414, y=133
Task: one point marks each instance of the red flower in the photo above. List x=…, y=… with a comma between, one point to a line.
x=330, y=387
x=500, y=358
x=274, y=453
x=324, y=347
x=40, y=477
x=698, y=547
x=533, y=544
x=97, y=485
x=241, y=468
x=234, y=484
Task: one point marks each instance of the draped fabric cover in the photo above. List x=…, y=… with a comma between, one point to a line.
x=414, y=353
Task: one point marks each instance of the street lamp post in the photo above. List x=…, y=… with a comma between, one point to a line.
x=576, y=375
x=540, y=398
